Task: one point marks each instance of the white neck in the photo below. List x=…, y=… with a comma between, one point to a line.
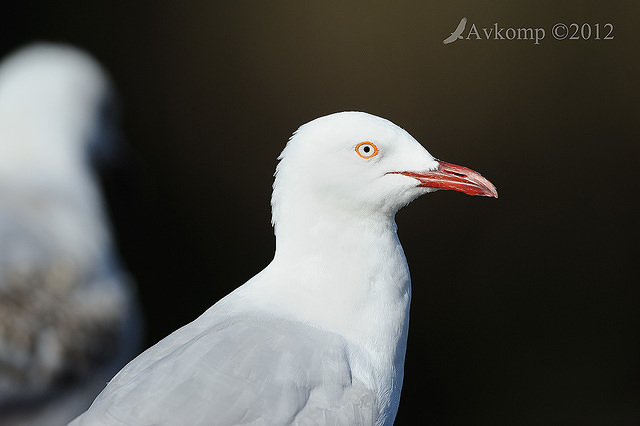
x=346, y=275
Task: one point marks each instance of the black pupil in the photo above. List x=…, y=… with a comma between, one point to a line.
x=366, y=149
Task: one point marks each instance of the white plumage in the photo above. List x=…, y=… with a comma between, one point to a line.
x=319, y=336
x=68, y=320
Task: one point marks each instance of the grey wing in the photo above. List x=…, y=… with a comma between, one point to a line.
x=460, y=27
x=245, y=371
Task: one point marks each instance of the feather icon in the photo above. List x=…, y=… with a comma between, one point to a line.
x=457, y=33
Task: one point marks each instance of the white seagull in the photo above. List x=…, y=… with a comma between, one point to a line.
x=68, y=320
x=319, y=336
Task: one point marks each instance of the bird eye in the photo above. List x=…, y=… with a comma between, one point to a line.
x=366, y=150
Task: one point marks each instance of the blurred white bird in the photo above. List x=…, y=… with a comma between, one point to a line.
x=319, y=336
x=68, y=318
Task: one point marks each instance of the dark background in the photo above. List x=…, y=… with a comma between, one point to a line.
x=525, y=308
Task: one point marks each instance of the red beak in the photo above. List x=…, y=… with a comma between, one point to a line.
x=455, y=178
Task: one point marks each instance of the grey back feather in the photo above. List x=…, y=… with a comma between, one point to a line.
x=240, y=371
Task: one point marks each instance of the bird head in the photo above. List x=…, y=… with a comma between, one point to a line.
x=51, y=99
x=361, y=164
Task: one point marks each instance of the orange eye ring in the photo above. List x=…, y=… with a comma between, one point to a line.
x=367, y=150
